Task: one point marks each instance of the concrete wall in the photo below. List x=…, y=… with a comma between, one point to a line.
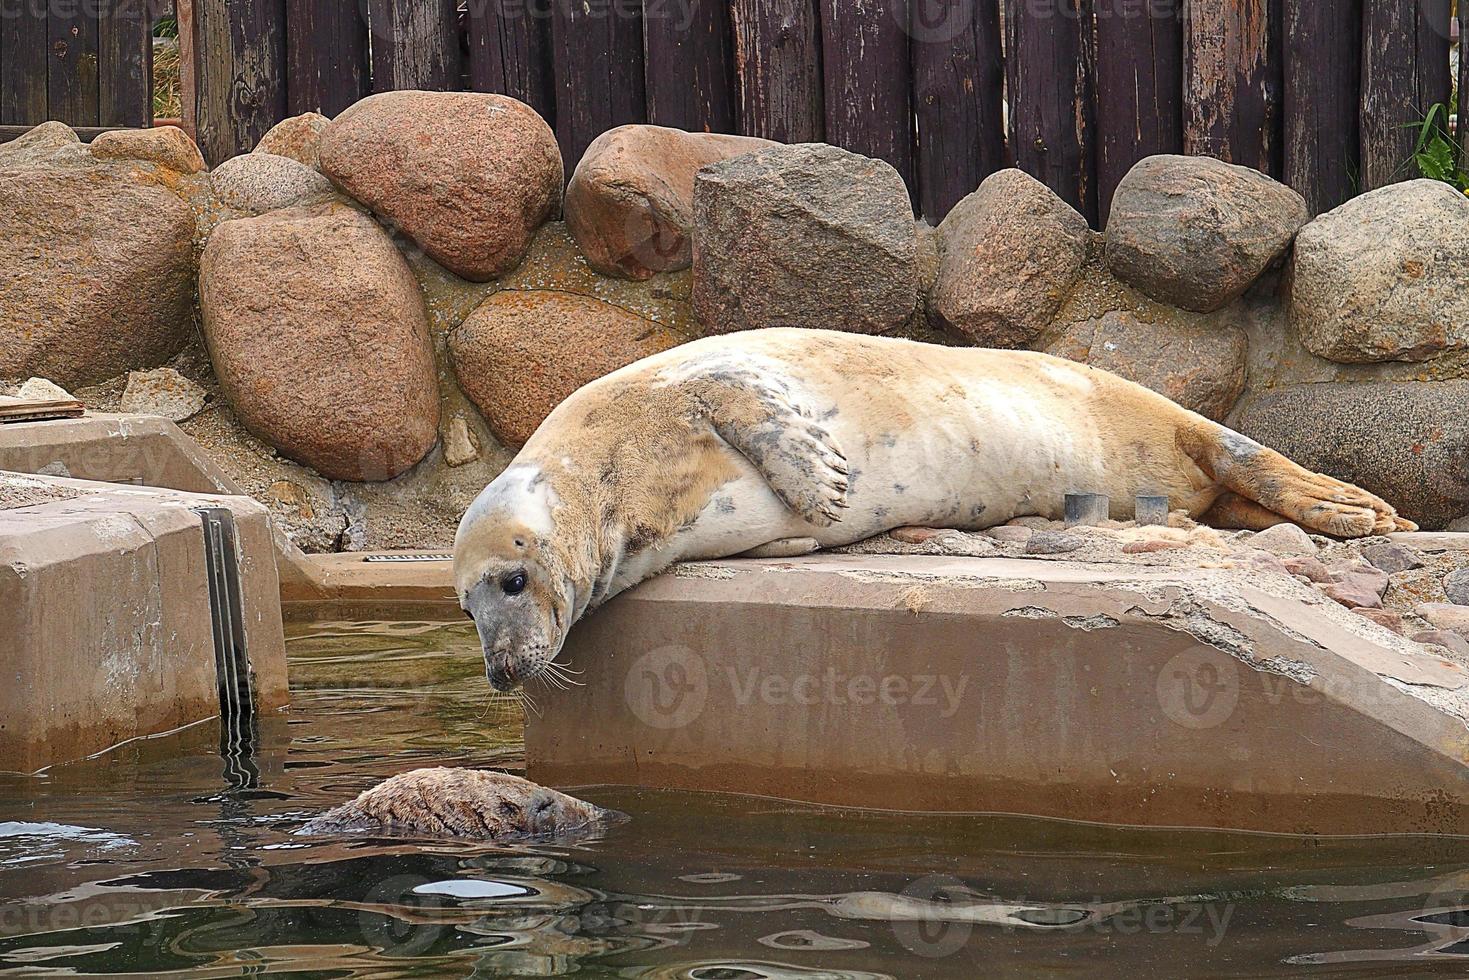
x=105, y=625
x=1125, y=695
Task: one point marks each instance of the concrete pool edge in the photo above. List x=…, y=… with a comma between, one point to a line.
x=109, y=603
x=1079, y=692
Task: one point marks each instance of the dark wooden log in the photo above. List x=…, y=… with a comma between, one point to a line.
x=1323, y=61
x=1405, y=72
x=188, y=69
x=688, y=65
x=510, y=53
x=1463, y=106
x=1052, y=114
x=415, y=44
x=71, y=68
x=85, y=133
x=239, y=73
x=23, y=47
x=1233, y=82
x=598, y=53
x=777, y=66
x=124, y=63
x=1139, y=87
x=326, y=56
x=958, y=87
x=865, y=70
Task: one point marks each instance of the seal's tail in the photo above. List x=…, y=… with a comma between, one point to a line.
x=1279, y=486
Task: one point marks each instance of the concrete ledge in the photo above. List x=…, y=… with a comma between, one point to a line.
x=1149, y=696
x=151, y=451
x=141, y=450
x=347, y=586
x=105, y=625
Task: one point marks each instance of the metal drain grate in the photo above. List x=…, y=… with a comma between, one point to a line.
x=231, y=658
x=427, y=556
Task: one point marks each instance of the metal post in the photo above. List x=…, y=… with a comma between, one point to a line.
x=1087, y=508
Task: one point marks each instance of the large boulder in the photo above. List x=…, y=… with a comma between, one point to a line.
x=630, y=202
x=1399, y=439
x=1011, y=251
x=1197, y=232
x=1200, y=366
x=522, y=351
x=319, y=338
x=807, y=235
x=96, y=267
x=259, y=182
x=467, y=175
x=297, y=137
x=1382, y=278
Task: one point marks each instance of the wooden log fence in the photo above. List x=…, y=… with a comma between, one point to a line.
x=1324, y=94
x=1234, y=82
x=85, y=62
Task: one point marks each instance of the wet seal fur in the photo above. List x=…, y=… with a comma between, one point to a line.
x=777, y=442
x=470, y=804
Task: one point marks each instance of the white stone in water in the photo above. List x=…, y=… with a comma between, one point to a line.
x=1284, y=539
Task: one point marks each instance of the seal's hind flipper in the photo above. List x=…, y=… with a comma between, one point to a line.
x=1312, y=500
x=761, y=416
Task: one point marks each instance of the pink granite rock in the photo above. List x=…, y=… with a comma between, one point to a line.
x=467, y=175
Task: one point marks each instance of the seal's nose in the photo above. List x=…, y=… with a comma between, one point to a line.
x=500, y=678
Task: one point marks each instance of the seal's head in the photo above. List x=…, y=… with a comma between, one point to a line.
x=468, y=803
x=509, y=580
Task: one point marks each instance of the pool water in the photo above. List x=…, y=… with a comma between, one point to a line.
x=159, y=858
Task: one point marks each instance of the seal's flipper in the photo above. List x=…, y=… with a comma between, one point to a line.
x=1233, y=511
x=757, y=414
x=1313, y=500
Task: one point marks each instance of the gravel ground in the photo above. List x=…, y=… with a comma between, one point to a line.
x=18, y=492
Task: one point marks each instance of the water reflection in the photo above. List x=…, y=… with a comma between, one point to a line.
x=146, y=862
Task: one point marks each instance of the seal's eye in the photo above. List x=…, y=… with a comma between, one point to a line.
x=515, y=584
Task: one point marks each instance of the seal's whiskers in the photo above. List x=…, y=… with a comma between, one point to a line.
x=560, y=673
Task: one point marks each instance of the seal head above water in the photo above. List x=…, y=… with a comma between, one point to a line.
x=471, y=804
x=778, y=442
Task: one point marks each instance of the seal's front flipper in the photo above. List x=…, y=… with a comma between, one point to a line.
x=784, y=548
x=760, y=416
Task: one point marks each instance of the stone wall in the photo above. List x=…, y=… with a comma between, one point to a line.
x=365, y=317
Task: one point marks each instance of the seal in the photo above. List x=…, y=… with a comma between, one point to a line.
x=462, y=803
x=778, y=442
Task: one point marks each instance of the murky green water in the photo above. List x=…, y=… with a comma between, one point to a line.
x=146, y=862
